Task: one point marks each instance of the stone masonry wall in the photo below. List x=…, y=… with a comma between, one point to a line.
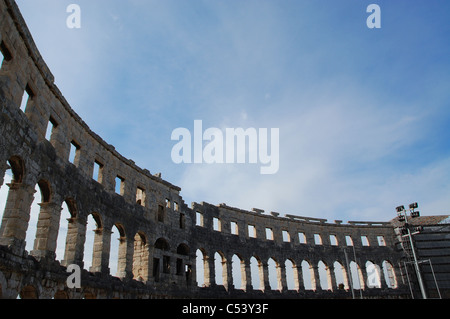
x=160, y=236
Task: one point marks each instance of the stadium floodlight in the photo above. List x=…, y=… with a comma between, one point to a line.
x=405, y=232
x=400, y=209
x=415, y=214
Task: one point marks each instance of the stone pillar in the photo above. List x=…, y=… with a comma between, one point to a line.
x=16, y=216
x=315, y=278
x=47, y=231
x=332, y=273
x=102, y=245
x=298, y=278
x=75, y=240
x=247, y=284
x=228, y=271
x=207, y=270
x=265, y=271
x=125, y=258
x=281, y=274
x=211, y=271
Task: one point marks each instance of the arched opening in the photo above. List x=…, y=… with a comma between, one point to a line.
x=140, y=257
x=274, y=274
x=356, y=276
x=324, y=276
x=220, y=269
x=162, y=244
x=17, y=168
x=183, y=267
x=309, y=281
x=68, y=212
x=256, y=270
x=42, y=196
x=4, y=192
x=341, y=276
x=373, y=275
x=291, y=276
x=238, y=272
x=93, y=232
x=389, y=275
x=200, y=267
x=117, y=257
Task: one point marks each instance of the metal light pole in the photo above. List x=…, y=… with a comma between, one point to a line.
x=402, y=217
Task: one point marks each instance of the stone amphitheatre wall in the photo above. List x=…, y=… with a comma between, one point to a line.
x=45, y=143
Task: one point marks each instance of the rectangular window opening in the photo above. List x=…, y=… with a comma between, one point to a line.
x=27, y=96
x=333, y=240
x=160, y=216
x=365, y=241
x=302, y=238
x=317, y=239
x=140, y=196
x=98, y=171
x=286, y=236
x=269, y=233
x=199, y=219
x=182, y=221
x=381, y=241
x=251, y=231
x=217, y=226
x=51, y=127
x=120, y=185
x=166, y=264
x=234, y=228
x=349, y=240
x=74, y=153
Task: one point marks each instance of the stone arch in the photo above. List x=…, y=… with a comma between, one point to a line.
x=389, y=274
x=29, y=292
x=324, y=275
x=357, y=278
x=340, y=273
x=140, y=257
x=38, y=212
x=309, y=280
x=118, y=251
x=373, y=275
x=17, y=167
x=183, y=249
x=68, y=215
x=220, y=268
x=257, y=273
x=162, y=244
x=274, y=273
x=183, y=266
x=94, y=241
x=61, y=294
x=238, y=271
x=291, y=274
x=201, y=267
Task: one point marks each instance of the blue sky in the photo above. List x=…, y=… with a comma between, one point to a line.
x=363, y=113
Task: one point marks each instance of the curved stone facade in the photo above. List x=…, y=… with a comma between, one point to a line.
x=160, y=236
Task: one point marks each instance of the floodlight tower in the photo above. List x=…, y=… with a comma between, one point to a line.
x=406, y=232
